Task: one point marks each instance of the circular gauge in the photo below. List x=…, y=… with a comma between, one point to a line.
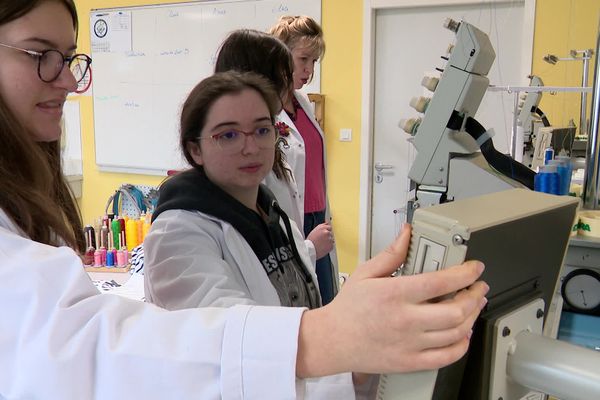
x=581, y=291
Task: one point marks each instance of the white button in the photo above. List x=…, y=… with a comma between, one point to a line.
x=420, y=103
x=430, y=82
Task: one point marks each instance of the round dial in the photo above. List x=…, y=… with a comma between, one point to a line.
x=581, y=291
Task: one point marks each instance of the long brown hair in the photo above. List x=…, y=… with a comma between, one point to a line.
x=33, y=190
x=249, y=50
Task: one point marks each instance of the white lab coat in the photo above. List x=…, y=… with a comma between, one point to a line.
x=286, y=194
x=290, y=195
x=61, y=339
x=192, y=259
x=196, y=260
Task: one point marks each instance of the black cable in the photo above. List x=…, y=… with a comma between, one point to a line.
x=541, y=114
x=500, y=162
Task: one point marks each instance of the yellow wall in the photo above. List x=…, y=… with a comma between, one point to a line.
x=341, y=84
x=560, y=26
x=341, y=75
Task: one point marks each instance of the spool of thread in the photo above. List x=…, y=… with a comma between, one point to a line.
x=116, y=230
x=89, y=231
x=131, y=230
x=146, y=229
x=122, y=256
x=556, y=163
x=104, y=236
x=140, y=227
x=98, y=258
x=122, y=225
x=547, y=180
x=98, y=229
x=88, y=257
x=565, y=170
x=120, y=259
x=102, y=249
x=110, y=259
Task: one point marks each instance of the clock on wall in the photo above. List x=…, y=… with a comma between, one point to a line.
x=581, y=291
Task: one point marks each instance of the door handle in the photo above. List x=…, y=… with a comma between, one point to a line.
x=380, y=166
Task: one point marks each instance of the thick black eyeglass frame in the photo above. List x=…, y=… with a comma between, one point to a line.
x=66, y=59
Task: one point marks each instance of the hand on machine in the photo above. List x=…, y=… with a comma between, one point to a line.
x=520, y=235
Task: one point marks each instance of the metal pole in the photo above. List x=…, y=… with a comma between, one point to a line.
x=583, y=124
x=557, y=368
x=514, y=135
x=591, y=182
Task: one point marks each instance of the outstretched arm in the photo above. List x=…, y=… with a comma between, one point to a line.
x=383, y=324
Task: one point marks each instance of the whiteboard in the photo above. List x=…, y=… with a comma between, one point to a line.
x=147, y=59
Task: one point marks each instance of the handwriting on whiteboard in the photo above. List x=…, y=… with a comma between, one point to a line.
x=175, y=52
x=281, y=8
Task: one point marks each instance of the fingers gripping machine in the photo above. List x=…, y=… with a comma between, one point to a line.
x=490, y=214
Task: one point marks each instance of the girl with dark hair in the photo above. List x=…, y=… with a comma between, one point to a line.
x=255, y=51
x=249, y=50
x=218, y=236
x=62, y=339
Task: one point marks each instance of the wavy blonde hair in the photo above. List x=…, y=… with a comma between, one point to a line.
x=293, y=30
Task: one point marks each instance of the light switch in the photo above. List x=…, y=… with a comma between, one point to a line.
x=345, y=135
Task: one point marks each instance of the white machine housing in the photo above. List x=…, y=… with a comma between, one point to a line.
x=522, y=237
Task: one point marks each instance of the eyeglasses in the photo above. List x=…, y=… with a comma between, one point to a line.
x=51, y=63
x=232, y=141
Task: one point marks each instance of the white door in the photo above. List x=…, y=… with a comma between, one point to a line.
x=408, y=44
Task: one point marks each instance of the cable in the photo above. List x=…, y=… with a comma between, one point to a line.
x=541, y=114
x=500, y=162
